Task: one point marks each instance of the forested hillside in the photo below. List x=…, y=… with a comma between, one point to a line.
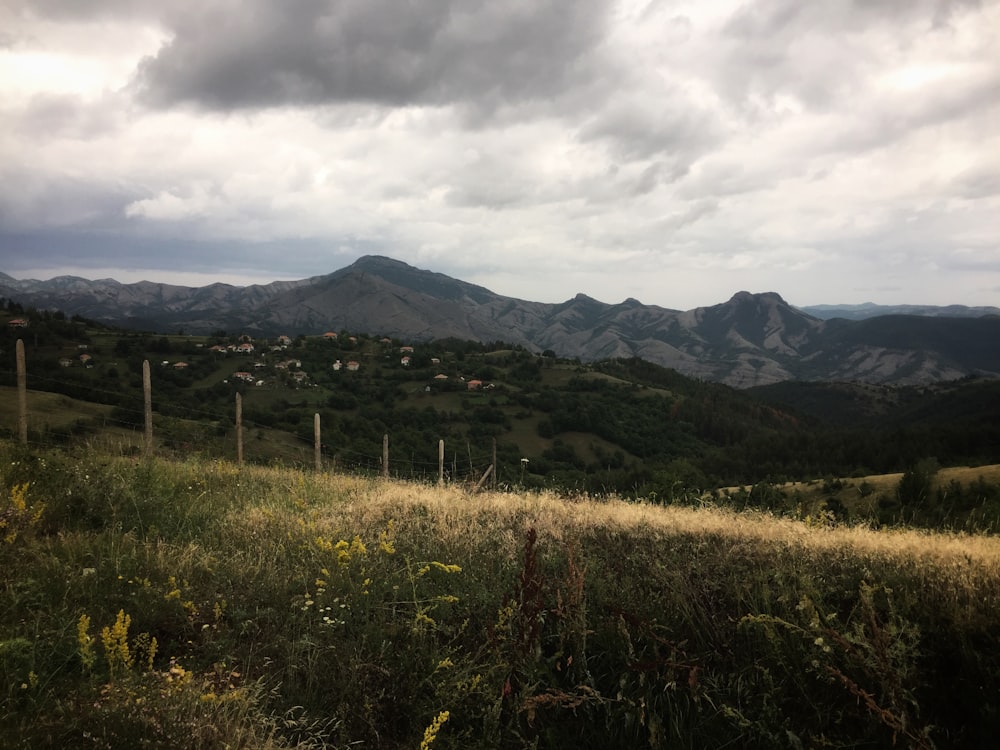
x=625, y=425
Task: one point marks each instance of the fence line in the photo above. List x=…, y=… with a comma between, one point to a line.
x=147, y=400
x=344, y=459
x=22, y=394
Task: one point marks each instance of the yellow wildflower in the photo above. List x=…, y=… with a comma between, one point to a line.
x=431, y=733
x=357, y=547
x=115, y=640
x=85, y=642
x=385, y=539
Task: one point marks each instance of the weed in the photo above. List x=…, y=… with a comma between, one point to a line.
x=18, y=517
x=197, y=604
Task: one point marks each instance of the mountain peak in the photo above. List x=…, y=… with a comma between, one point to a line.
x=379, y=263
x=772, y=297
x=414, y=279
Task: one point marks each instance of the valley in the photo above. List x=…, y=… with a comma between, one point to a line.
x=620, y=426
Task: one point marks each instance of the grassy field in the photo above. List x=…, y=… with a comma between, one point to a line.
x=49, y=410
x=861, y=497
x=194, y=604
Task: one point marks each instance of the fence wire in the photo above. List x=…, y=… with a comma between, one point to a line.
x=116, y=419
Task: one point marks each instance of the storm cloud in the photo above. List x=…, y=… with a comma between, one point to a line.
x=485, y=53
x=670, y=151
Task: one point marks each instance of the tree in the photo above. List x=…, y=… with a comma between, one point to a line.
x=914, y=489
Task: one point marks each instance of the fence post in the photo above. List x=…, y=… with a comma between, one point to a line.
x=486, y=474
x=493, y=478
x=22, y=394
x=385, y=456
x=440, y=462
x=316, y=441
x=239, y=429
x=147, y=396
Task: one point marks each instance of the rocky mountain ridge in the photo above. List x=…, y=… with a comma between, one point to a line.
x=750, y=340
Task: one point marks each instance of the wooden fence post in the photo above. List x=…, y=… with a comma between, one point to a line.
x=22, y=394
x=385, y=456
x=493, y=478
x=239, y=429
x=316, y=441
x=440, y=462
x=486, y=474
x=147, y=396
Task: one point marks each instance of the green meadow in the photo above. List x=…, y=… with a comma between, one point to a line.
x=191, y=603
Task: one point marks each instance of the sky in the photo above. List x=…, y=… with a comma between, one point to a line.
x=673, y=152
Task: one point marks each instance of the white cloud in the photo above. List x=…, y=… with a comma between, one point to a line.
x=670, y=151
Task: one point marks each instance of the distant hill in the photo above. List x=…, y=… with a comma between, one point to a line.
x=750, y=340
x=871, y=310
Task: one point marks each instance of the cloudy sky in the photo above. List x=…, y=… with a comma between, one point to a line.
x=671, y=151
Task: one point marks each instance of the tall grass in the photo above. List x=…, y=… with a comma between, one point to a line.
x=264, y=607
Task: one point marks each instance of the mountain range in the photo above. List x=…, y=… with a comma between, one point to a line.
x=752, y=339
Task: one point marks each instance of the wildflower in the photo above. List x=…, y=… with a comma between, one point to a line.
x=357, y=547
x=115, y=640
x=324, y=545
x=151, y=647
x=17, y=515
x=385, y=539
x=431, y=733
x=342, y=549
x=85, y=642
x=422, y=618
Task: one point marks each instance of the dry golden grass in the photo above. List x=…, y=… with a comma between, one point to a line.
x=811, y=494
x=457, y=514
x=960, y=571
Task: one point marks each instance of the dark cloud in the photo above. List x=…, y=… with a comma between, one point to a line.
x=263, y=54
x=91, y=10
x=31, y=198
